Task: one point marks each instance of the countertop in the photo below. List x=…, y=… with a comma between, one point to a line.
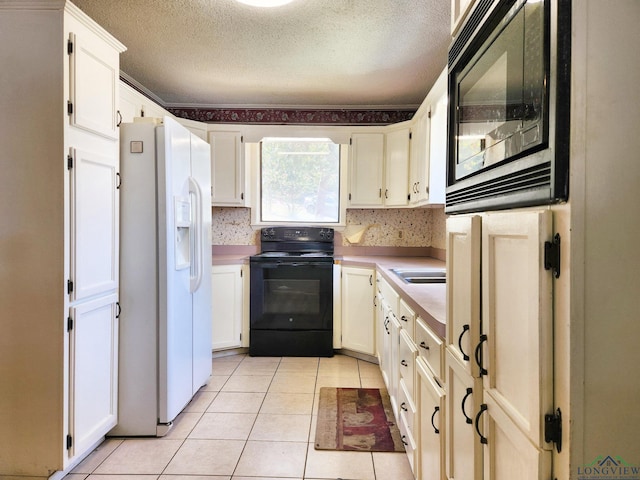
x=428, y=301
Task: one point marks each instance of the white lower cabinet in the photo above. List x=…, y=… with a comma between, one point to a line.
x=227, y=306
x=431, y=415
x=358, y=309
x=93, y=349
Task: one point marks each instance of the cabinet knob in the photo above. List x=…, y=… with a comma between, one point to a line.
x=404, y=363
x=424, y=345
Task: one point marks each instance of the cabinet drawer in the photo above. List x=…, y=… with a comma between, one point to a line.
x=389, y=294
x=430, y=347
x=407, y=318
x=407, y=406
x=407, y=360
x=408, y=441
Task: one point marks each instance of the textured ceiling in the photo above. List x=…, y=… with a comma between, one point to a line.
x=311, y=53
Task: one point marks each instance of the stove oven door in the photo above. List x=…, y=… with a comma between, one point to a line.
x=291, y=295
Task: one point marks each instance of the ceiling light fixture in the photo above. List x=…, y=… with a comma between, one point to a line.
x=265, y=3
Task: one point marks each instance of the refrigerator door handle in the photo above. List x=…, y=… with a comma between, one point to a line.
x=196, y=278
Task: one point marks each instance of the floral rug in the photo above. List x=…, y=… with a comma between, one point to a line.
x=358, y=419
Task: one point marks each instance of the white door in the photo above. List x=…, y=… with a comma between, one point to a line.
x=463, y=288
x=227, y=168
x=517, y=318
x=175, y=332
x=227, y=304
x=358, y=310
x=94, y=224
x=94, y=83
x=366, y=170
x=93, y=349
x=201, y=260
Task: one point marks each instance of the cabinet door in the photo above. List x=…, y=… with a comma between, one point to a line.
x=431, y=408
x=94, y=84
x=94, y=224
x=366, y=162
x=396, y=192
x=463, y=448
x=358, y=293
x=419, y=161
x=517, y=318
x=508, y=453
x=227, y=169
x=227, y=306
x=463, y=288
x=93, y=379
x=438, y=144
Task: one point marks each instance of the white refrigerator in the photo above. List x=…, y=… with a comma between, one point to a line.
x=165, y=274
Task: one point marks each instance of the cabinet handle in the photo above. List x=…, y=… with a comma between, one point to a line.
x=386, y=193
x=436, y=410
x=119, y=122
x=483, y=408
x=404, y=441
x=119, y=310
x=403, y=407
x=478, y=354
x=404, y=363
x=464, y=400
x=465, y=328
x=371, y=280
x=380, y=193
x=118, y=181
x=404, y=319
x=424, y=345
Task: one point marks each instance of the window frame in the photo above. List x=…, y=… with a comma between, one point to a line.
x=253, y=154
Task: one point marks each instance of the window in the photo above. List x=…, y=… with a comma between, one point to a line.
x=300, y=180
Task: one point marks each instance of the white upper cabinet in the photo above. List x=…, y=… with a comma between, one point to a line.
x=419, y=160
x=366, y=170
x=396, y=171
x=227, y=169
x=93, y=82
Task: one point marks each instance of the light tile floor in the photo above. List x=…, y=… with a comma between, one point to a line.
x=255, y=420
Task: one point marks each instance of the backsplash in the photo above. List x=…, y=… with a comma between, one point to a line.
x=420, y=227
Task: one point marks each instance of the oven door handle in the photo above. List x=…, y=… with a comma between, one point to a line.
x=295, y=264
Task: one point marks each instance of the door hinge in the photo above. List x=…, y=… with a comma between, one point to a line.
x=349, y=196
x=351, y=141
x=69, y=286
x=552, y=255
x=69, y=324
x=410, y=136
x=69, y=162
x=69, y=108
x=409, y=197
x=240, y=337
x=553, y=429
x=69, y=442
x=241, y=138
x=429, y=114
x=69, y=47
x=241, y=273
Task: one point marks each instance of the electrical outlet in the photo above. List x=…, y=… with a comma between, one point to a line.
x=400, y=234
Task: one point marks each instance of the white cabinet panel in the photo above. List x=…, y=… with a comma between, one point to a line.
x=227, y=169
x=94, y=223
x=227, y=306
x=517, y=318
x=431, y=414
x=463, y=292
x=464, y=395
x=358, y=312
x=396, y=192
x=94, y=85
x=93, y=347
x=508, y=453
x=366, y=170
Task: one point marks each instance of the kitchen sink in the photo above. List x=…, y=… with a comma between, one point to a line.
x=422, y=275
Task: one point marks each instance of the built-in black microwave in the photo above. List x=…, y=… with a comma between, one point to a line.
x=508, y=130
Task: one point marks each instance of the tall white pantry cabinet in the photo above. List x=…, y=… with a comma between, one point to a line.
x=58, y=236
x=566, y=343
